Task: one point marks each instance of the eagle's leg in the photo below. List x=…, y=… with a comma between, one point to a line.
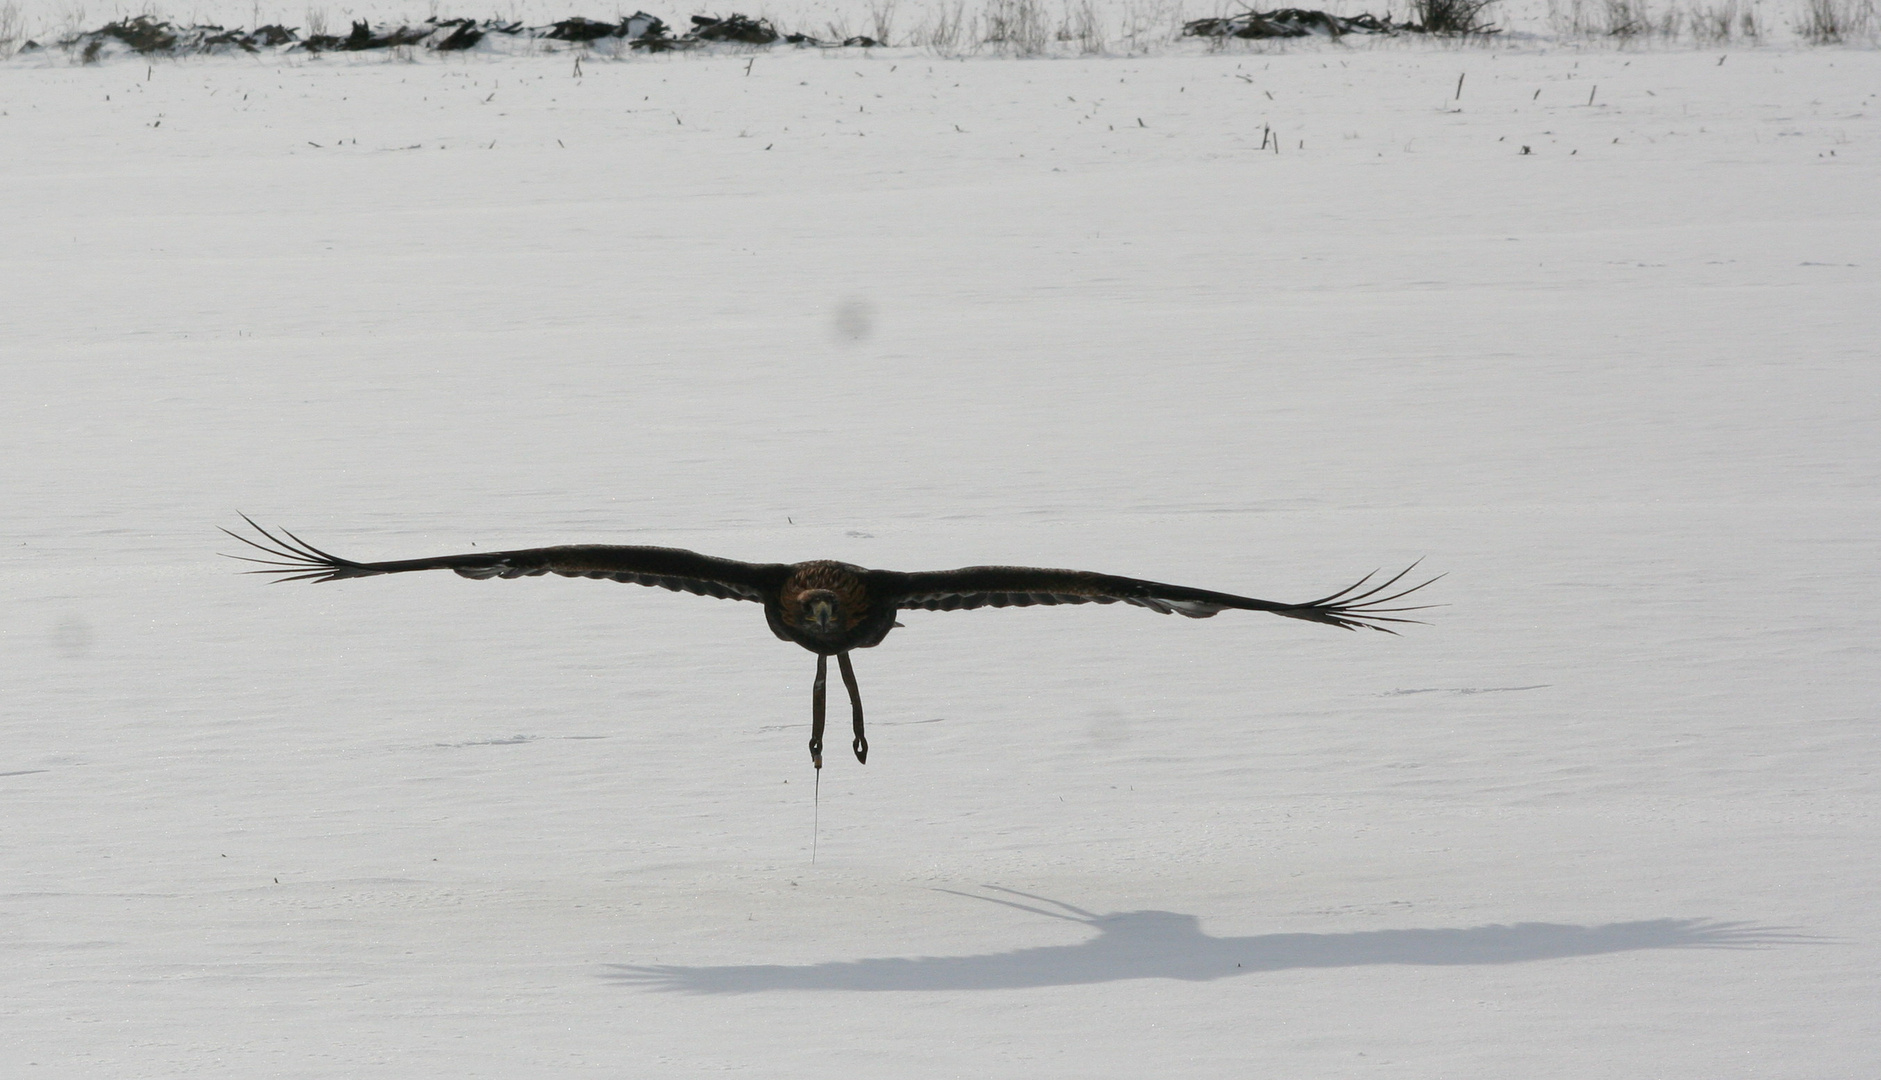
x=817, y=695
x=861, y=745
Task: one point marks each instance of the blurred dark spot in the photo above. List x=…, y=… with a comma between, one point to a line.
x=72, y=638
x=854, y=320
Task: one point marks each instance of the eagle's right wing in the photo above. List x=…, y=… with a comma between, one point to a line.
x=293, y=559
x=1352, y=608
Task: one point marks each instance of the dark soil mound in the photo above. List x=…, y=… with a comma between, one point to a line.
x=1291, y=23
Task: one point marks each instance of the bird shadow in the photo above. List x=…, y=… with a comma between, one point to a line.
x=1171, y=945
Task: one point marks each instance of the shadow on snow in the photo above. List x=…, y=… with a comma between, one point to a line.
x=1170, y=945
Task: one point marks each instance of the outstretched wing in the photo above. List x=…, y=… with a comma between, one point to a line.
x=1022, y=586
x=293, y=559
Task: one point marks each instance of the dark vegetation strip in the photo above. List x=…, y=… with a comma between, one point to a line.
x=150, y=36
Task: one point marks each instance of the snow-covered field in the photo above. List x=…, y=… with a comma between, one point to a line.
x=1613, y=813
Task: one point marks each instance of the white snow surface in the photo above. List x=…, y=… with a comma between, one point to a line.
x=1611, y=813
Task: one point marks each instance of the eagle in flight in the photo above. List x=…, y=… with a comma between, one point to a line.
x=831, y=608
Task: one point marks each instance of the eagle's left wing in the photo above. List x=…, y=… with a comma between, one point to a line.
x=293, y=559
x=1023, y=586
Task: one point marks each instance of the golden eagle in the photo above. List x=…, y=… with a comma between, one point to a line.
x=831, y=607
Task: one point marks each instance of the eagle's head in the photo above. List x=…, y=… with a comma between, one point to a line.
x=821, y=611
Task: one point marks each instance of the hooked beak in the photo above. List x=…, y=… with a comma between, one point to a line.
x=822, y=615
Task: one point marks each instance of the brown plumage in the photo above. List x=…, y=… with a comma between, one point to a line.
x=831, y=608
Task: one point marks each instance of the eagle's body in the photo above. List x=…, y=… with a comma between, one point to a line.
x=832, y=608
x=855, y=619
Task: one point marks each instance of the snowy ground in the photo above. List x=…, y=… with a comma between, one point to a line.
x=1612, y=814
